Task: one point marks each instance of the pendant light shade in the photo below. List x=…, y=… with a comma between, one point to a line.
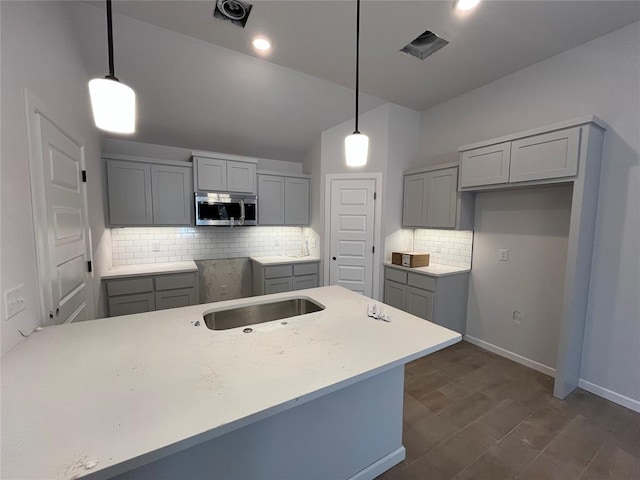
x=356, y=145
x=113, y=103
x=356, y=148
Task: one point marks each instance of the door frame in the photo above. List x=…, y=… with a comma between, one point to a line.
x=377, y=225
x=34, y=107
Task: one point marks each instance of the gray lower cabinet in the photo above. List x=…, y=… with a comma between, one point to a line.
x=282, y=199
x=441, y=300
x=146, y=193
x=126, y=296
x=269, y=279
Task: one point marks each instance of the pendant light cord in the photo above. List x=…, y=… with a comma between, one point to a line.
x=357, y=60
x=112, y=74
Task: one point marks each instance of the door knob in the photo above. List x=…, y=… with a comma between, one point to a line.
x=333, y=258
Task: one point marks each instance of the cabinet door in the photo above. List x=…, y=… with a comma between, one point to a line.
x=414, y=208
x=296, y=198
x=211, y=174
x=270, y=200
x=485, y=166
x=175, y=298
x=442, y=187
x=277, y=285
x=129, y=191
x=129, y=304
x=420, y=303
x=305, y=281
x=552, y=155
x=241, y=177
x=172, y=195
x=395, y=294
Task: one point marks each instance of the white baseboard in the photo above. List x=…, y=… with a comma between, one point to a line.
x=511, y=356
x=382, y=465
x=614, y=397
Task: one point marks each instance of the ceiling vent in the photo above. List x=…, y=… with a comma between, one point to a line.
x=424, y=45
x=232, y=11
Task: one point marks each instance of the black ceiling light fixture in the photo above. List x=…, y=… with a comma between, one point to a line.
x=356, y=145
x=113, y=103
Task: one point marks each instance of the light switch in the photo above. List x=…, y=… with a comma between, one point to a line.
x=14, y=301
x=503, y=254
x=155, y=245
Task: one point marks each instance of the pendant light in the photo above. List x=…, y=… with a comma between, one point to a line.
x=113, y=103
x=356, y=145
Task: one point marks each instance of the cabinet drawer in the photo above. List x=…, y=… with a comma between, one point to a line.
x=277, y=271
x=305, y=281
x=305, y=269
x=395, y=275
x=181, y=297
x=485, y=166
x=170, y=282
x=128, y=286
x=277, y=285
x=130, y=304
x=421, y=281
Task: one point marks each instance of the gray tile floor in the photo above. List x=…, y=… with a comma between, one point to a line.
x=470, y=414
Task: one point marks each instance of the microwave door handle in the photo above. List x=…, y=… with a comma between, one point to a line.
x=241, y=220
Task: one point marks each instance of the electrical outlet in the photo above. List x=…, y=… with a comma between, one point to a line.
x=503, y=254
x=155, y=245
x=223, y=289
x=14, y=301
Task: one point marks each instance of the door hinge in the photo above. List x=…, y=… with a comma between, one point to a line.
x=375, y=195
x=84, y=176
x=373, y=249
x=89, y=266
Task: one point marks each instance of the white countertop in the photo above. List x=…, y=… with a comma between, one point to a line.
x=150, y=269
x=432, y=270
x=283, y=259
x=116, y=393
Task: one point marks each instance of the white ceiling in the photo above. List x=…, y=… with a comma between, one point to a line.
x=194, y=93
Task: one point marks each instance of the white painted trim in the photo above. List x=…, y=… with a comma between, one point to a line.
x=380, y=466
x=610, y=395
x=34, y=108
x=511, y=356
x=377, y=228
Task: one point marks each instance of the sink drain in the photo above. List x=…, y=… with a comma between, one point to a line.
x=247, y=330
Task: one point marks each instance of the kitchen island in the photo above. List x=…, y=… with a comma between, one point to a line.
x=159, y=395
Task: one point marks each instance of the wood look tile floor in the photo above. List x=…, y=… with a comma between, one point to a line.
x=470, y=414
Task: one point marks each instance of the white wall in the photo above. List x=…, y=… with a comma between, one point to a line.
x=39, y=52
x=601, y=77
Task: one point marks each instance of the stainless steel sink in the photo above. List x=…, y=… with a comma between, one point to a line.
x=263, y=312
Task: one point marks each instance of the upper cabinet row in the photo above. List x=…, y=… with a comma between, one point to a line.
x=283, y=199
x=543, y=157
x=219, y=175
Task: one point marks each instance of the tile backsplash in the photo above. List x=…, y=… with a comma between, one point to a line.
x=446, y=247
x=136, y=245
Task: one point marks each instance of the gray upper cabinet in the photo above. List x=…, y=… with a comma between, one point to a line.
x=282, y=199
x=431, y=200
x=540, y=157
x=172, y=195
x=129, y=190
x=146, y=193
x=221, y=175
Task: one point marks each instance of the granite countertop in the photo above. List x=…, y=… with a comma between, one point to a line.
x=102, y=397
x=283, y=259
x=149, y=269
x=432, y=270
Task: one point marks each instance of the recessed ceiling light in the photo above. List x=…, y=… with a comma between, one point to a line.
x=465, y=5
x=261, y=44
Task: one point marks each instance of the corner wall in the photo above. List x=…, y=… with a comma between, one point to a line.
x=601, y=77
x=39, y=52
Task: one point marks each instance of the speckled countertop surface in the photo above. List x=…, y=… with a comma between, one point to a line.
x=149, y=269
x=432, y=270
x=283, y=259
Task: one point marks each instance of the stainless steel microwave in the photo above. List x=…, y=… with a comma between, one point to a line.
x=226, y=209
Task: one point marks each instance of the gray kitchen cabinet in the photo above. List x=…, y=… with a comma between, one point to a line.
x=283, y=199
x=269, y=279
x=142, y=192
x=441, y=300
x=539, y=157
x=224, y=175
x=147, y=293
x=130, y=199
x=431, y=199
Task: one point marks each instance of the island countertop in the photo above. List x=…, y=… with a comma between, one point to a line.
x=101, y=397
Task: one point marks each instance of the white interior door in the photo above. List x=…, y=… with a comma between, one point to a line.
x=352, y=234
x=60, y=213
